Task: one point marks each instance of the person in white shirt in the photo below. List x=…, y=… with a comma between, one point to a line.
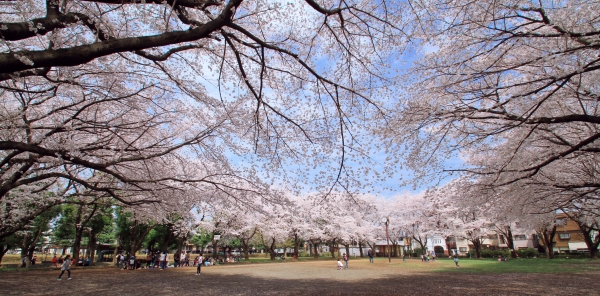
x=200, y=261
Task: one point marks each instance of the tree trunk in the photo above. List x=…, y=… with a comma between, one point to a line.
x=214, y=245
x=511, y=243
x=3, y=251
x=165, y=244
x=270, y=248
x=547, y=238
x=591, y=243
x=316, y=250
x=332, y=248
x=420, y=241
x=347, y=249
x=114, y=257
x=246, y=251
x=31, y=248
x=360, y=249
x=296, y=245
x=179, y=249
x=477, y=246
x=77, y=243
x=92, y=247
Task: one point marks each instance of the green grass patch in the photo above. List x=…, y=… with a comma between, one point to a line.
x=539, y=265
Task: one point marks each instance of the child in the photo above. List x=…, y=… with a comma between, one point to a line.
x=54, y=261
x=340, y=265
x=200, y=260
x=456, y=260
x=66, y=266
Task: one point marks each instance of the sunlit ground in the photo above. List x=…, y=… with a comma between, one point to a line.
x=310, y=277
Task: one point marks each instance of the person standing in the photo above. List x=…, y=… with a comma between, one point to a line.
x=345, y=261
x=66, y=266
x=370, y=254
x=25, y=262
x=162, y=260
x=155, y=258
x=456, y=260
x=54, y=261
x=176, y=258
x=166, y=262
x=200, y=260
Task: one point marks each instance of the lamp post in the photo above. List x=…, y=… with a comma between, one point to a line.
x=386, y=220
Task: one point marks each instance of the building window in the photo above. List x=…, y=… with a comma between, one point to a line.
x=462, y=249
x=520, y=237
x=564, y=235
x=437, y=241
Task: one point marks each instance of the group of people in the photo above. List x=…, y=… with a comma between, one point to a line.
x=25, y=261
x=345, y=265
x=161, y=260
x=426, y=258
x=57, y=262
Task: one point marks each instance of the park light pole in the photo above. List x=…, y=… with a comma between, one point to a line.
x=386, y=220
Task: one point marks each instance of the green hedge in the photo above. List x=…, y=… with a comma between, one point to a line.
x=494, y=253
x=528, y=253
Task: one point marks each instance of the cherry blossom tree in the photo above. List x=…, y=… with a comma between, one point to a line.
x=418, y=217
x=121, y=97
x=510, y=87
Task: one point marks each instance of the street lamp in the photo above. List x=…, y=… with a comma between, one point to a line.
x=386, y=220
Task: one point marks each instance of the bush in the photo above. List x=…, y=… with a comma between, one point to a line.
x=417, y=251
x=485, y=253
x=325, y=254
x=303, y=254
x=528, y=253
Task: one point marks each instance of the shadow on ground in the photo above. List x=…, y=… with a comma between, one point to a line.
x=109, y=281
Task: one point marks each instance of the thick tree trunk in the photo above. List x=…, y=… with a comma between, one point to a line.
x=296, y=245
x=77, y=243
x=510, y=242
x=360, y=249
x=271, y=248
x=165, y=244
x=347, y=249
x=547, y=238
x=246, y=245
x=246, y=252
x=214, y=244
x=3, y=251
x=179, y=249
x=92, y=247
x=477, y=246
x=332, y=248
x=80, y=223
x=31, y=248
x=114, y=257
x=591, y=242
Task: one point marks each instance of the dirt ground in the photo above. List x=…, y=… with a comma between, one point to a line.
x=298, y=278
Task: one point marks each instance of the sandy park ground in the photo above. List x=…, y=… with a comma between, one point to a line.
x=301, y=278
